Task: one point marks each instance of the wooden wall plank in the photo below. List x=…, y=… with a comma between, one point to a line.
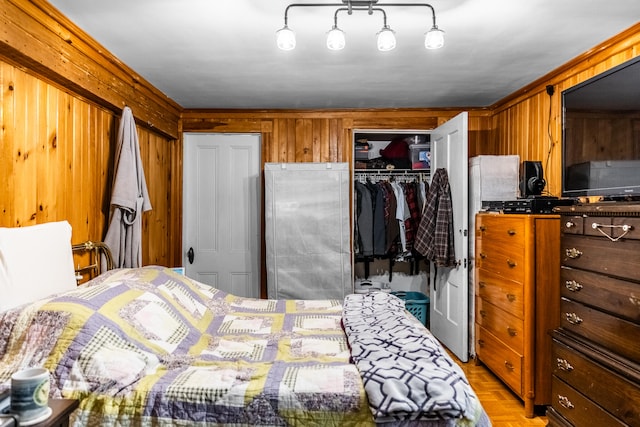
x=335, y=126
x=47, y=156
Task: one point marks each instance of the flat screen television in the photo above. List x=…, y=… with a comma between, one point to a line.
x=601, y=135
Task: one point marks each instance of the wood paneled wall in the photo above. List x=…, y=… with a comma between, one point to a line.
x=529, y=122
x=62, y=96
x=57, y=155
x=326, y=136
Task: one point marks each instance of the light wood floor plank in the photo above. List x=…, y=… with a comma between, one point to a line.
x=504, y=408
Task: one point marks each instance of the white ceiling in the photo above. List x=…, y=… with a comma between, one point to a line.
x=223, y=54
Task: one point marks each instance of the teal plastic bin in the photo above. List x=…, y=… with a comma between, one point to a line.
x=417, y=304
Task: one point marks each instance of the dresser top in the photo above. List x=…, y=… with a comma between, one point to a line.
x=601, y=208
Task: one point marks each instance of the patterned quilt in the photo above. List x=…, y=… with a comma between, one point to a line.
x=151, y=347
x=406, y=372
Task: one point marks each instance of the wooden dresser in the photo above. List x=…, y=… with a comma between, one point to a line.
x=517, y=300
x=596, y=349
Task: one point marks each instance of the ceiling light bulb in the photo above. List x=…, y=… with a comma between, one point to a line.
x=386, y=39
x=286, y=38
x=335, y=39
x=434, y=38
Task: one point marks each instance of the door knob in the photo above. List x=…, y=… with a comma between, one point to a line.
x=190, y=255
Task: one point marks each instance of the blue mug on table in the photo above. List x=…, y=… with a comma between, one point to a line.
x=30, y=394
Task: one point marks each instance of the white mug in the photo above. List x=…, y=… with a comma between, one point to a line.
x=30, y=394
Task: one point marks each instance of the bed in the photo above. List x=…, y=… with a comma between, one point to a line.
x=149, y=346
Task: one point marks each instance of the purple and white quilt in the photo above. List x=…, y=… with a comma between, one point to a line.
x=148, y=346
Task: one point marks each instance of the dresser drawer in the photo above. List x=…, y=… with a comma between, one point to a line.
x=609, y=390
x=618, y=335
x=578, y=409
x=614, y=227
x=501, y=228
x=502, y=292
x=500, y=359
x=505, y=326
x=599, y=254
x=572, y=224
x=631, y=231
x=505, y=261
x=615, y=296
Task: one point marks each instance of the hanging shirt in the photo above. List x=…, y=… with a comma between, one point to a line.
x=412, y=223
x=402, y=212
x=393, y=229
x=379, y=231
x=435, y=234
x=365, y=219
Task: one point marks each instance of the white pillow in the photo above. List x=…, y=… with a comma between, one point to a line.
x=35, y=262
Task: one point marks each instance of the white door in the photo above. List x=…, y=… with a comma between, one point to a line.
x=448, y=288
x=221, y=211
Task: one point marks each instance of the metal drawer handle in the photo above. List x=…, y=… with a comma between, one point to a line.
x=625, y=229
x=482, y=284
x=481, y=343
x=573, y=318
x=483, y=228
x=483, y=313
x=572, y=285
x=564, y=365
x=565, y=402
x=482, y=255
x=573, y=253
x=508, y=365
x=634, y=300
x=511, y=297
x=511, y=263
x=512, y=332
x=511, y=232
x=570, y=224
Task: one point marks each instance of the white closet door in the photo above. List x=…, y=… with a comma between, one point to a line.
x=448, y=288
x=307, y=230
x=221, y=220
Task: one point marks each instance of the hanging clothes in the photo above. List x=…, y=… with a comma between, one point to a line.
x=129, y=197
x=387, y=217
x=392, y=227
x=364, y=219
x=402, y=213
x=435, y=234
x=422, y=194
x=379, y=231
x=412, y=223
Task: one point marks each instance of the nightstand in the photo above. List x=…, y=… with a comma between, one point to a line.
x=62, y=408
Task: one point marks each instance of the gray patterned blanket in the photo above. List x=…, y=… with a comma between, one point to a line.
x=407, y=373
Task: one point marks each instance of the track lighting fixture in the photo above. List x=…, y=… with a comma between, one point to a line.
x=386, y=39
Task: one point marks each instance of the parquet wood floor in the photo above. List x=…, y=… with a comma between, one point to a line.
x=502, y=405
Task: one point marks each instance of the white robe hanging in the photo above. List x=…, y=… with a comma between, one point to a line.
x=129, y=197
